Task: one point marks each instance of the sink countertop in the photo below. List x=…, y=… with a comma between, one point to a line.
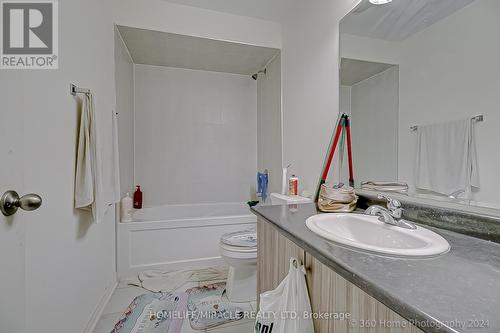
x=458, y=291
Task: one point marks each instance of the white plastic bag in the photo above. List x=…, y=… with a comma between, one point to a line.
x=283, y=309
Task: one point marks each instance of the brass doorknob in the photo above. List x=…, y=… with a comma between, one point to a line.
x=10, y=202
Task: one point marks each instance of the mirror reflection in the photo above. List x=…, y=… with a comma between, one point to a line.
x=420, y=82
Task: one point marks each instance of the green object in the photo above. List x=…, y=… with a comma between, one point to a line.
x=252, y=203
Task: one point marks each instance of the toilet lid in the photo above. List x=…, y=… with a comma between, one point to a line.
x=246, y=239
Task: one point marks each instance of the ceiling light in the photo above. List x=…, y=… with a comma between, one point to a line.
x=380, y=2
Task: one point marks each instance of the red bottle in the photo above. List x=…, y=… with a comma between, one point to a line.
x=138, y=198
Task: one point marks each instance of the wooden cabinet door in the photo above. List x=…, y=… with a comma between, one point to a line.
x=274, y=253
x=331, y=293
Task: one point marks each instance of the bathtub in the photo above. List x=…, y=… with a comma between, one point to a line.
x=177, y=237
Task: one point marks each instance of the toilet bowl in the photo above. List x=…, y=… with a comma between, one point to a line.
x=239, y=251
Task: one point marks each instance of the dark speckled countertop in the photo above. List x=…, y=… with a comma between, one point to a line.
x=453, y=292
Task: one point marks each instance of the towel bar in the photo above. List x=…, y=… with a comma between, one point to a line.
x=73, y=90
x=476, y=118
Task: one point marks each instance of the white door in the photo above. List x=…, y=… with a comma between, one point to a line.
x=12, y=228
x=12, y=285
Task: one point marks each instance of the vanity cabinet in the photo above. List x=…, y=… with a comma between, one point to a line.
x=273, y=256
x=328, y=291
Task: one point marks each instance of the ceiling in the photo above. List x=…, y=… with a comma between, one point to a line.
x=354, y=71
x=271, y=10
x=172, y=50
x=399, y=19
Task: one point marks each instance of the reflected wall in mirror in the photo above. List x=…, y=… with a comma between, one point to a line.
x=414, y=76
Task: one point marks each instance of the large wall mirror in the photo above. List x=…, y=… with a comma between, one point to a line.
x=420, y=80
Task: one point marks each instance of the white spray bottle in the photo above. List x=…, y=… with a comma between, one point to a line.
x=126, y=213
x=284, y=181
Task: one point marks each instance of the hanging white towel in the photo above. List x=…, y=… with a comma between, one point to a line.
x=88, y=178
x=446, y=158
x=84, y=182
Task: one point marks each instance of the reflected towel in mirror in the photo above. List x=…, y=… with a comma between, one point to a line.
x=446, y=160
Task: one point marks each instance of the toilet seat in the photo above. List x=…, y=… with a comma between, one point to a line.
x=239, y=245
x=243, y=239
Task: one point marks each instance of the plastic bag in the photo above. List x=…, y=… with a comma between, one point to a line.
x=286, y=308
x=337, y=199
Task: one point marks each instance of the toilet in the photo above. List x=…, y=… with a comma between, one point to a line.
x=239, y=251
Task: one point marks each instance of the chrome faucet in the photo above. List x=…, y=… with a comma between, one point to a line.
x=393, y=214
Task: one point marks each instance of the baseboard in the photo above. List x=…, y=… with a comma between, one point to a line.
x=96, y=314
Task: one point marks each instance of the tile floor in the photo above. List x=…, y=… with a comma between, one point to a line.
x=124, y=294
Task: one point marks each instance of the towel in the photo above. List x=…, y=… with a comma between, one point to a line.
x=88, y=177
x=389, y=186
x=84, y=183
x=262, y=181
x=446, y=160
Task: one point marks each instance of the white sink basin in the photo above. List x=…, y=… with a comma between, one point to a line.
x=368, y=233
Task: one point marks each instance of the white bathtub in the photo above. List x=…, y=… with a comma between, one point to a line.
x=176, y=237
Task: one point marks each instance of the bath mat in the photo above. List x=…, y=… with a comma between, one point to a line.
x=208, y=309
x=154, y=313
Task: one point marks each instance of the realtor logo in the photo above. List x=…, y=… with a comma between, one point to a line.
x=29, y=35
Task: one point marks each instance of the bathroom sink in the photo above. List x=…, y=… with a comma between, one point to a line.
x=368, y=233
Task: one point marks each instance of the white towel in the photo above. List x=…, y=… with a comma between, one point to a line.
x=385, y=186
x=446, y=158
x=88, y=178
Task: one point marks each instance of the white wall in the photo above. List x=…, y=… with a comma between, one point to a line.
x=124, y=78
x=374, y=115
x=369, y=49
x=345, y=99
x=310, y=58
x=164, y=16
x=70, y=262
x=339, y=171
x=269, y=143
x=195, y=138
